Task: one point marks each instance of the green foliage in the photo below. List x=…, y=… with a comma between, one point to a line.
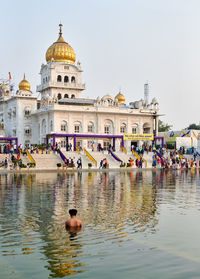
x=128, y=165
x=70, y=165
x=122, y=165
x=17, y=162
x=90, y=165
x=31, y=165
x=162, y=127
x=193, y=126
x=58, y=165
x=22, y=166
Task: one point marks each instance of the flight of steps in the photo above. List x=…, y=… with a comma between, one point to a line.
x=47, y=161
x=125, y=156
x=149, y=158
x=24, y=159
x=98, y=156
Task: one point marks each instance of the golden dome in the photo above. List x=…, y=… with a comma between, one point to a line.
x=24, y=84
x=61, y=51
x=120, y=97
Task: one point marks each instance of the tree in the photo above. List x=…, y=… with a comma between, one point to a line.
x=193, y=126
x=162, y=127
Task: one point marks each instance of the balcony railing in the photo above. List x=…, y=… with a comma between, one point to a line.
x=68, y=85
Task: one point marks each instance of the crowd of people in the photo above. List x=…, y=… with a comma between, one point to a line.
x=161, y=157
x=173, y=159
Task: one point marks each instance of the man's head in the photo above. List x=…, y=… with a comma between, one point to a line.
x=72, y=212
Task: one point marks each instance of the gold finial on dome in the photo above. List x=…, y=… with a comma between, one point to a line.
x=60, y=33
x=120, y=97
x=24, y=84
x=60, y=51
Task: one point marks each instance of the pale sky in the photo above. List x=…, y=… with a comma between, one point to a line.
x=121, y=44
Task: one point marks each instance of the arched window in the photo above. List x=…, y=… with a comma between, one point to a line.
x=66, y=96
x=73, y=96
x=73, y=79
x=134, y=128
x=27, y=111
x=77, y=127
x=146, y=128
x=59, y=78
x=123, y=128
x=66, y=79
x=59, y=96
x=90, y=127
x=43, y=126
x=63, y=126
x=27, y=130
x=108, y=127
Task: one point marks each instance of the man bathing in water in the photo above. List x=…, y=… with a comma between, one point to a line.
x=73, y=223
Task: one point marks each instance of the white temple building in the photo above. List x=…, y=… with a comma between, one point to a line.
x=63, y=109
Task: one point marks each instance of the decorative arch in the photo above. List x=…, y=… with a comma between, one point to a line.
x=146, y=128
x=107, y=100
x=134, y=128
x=59, y=96
x=59, y=78
x=90, y=127
x=123, y=128
x=44, y=128
x=77, y=127
x=108, y=126
x=27, y=110
x=63, y=126
x=72, y=96
x=66, y=96
x=66, y=79
x=73, y=79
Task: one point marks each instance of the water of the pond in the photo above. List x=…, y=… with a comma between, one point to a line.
x=137, y=224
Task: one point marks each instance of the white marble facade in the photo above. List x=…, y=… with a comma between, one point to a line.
x=62, y=107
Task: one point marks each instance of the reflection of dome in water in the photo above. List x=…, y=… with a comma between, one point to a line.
x=60, y=51
x=120, y=97
x=24, y=84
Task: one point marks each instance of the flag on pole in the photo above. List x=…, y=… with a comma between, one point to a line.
x=9, y=76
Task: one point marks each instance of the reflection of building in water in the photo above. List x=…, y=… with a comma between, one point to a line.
x=104, y=200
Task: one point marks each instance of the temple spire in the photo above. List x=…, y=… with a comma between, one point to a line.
x=60, y=33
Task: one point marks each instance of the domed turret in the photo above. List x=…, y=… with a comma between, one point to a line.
x=120, y=98
x=24, y=85
x=60, y=51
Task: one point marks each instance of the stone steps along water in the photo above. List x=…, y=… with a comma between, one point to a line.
x=46, y=161
x=98, y=156
x=25, y=159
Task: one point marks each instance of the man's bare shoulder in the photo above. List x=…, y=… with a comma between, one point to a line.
x=73, y=223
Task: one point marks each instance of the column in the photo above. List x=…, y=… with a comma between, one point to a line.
x=113, y=144
x=67, y=143
x=74, y=143
x=54, y=140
